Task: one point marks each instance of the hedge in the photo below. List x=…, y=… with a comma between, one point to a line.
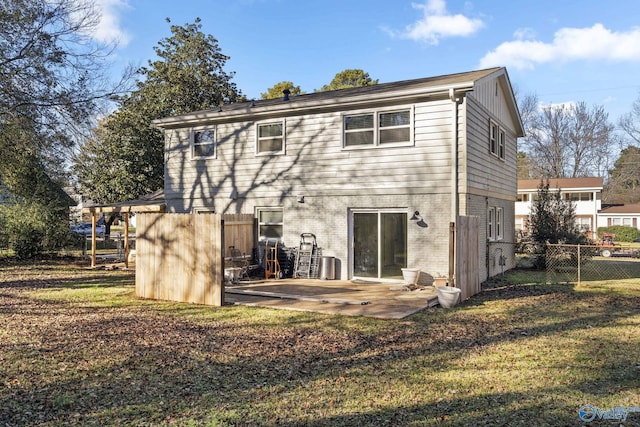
x=623, y=233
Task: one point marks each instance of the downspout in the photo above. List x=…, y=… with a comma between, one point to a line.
x=454, y=155
x=454, y=186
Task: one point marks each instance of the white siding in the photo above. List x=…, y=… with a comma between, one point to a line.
x=483, y=172
x=490, y=92
x=314, y=164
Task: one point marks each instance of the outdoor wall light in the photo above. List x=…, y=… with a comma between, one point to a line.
x=300, y=198
x=419, y=220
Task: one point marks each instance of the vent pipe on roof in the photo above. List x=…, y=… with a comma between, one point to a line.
x=286, y=93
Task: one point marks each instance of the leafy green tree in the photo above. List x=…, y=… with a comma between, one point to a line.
x=275, y=91
x=124, y=157
x=623, y=185
x=552, y=218
x=349, y=78
x=51, y=71
x=52, y=81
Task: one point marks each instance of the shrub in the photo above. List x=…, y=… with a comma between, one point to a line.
x=31, y=228
x=623, y=233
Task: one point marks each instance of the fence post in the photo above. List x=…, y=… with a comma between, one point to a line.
x=579, y=266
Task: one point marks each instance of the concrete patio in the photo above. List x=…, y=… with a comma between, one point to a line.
x=350, y=298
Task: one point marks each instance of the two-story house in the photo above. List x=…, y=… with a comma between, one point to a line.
x=379, y=173
x=585, y=193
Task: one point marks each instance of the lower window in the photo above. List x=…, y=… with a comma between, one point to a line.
x=495, y=223
x=270, y=223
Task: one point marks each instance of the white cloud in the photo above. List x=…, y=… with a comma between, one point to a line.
x=108, y=28
x=437, y=23
x=524, y=34
x=569, y=44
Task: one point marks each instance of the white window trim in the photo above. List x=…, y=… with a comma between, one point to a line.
x=491, y=218
x=284, y=137
x=376, y=128
x=497, y=142
x=495, y=223
x=499, y=223
x=192, y=138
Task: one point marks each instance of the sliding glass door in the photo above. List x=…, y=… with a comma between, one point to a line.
x=379, y=245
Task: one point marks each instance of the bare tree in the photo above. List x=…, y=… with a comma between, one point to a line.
x=630, y=123
x=566, y=140
x=591, y=140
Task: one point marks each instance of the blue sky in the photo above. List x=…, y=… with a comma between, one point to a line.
x=562, y=50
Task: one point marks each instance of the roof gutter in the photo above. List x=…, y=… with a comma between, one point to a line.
x=305, y=107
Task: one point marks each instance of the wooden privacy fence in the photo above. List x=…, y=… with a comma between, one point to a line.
x=240, y=232
x=180, y=257
x=468, y=255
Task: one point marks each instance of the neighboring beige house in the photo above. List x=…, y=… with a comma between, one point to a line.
x=586, y=193
x=627, y=215
x=377, y=173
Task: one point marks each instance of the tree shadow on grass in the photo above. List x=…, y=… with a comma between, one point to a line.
x=147, y=365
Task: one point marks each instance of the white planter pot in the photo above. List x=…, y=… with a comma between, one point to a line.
x=448, y=296
x=410, y=275
x=232, y=274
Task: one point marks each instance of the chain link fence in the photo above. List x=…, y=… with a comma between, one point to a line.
x=584, y=263
x=108, y=249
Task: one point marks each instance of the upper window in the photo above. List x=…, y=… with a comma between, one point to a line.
x=395, y=127
x=203, y=143
x=377, y=129
x=578, y=197
x=493, y=138
x=523, y=197
x=358, y=130
x=270, y=138
x=497, y=140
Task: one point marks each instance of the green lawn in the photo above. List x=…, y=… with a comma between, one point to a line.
x=77, y=348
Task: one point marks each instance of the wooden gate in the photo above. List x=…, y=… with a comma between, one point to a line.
x=468, y=255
